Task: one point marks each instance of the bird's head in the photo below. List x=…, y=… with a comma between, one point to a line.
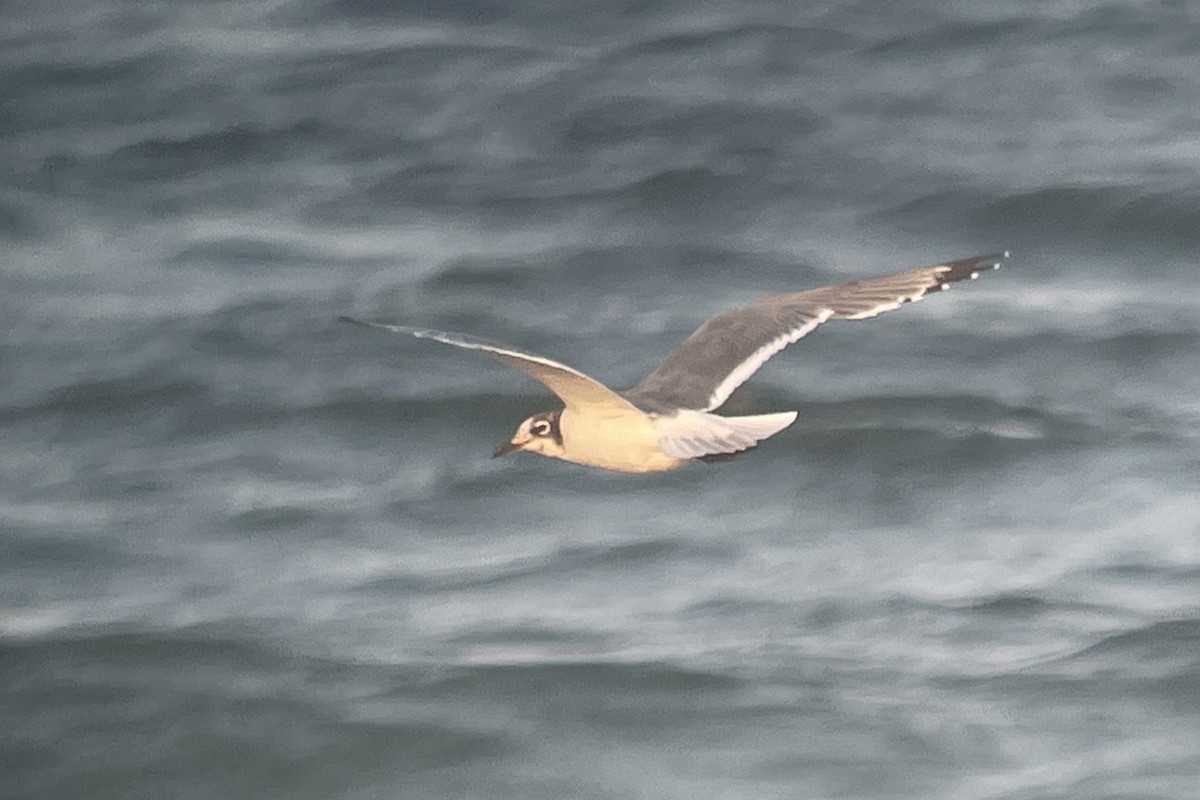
x=541, y=434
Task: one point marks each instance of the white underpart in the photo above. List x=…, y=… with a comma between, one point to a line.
x=691, y=434
x=742, y=372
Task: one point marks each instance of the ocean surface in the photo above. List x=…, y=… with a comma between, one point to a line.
x=247, y=552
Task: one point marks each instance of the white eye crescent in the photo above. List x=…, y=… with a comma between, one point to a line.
x=540, y=428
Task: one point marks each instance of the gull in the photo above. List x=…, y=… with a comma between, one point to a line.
x=667, y=421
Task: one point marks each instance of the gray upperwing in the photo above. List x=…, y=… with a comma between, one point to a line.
x=730, y=347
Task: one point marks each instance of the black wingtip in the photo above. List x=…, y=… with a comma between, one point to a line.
x=968, y=268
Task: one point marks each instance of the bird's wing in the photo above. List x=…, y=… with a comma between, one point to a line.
x=577, y=391
x=727, y=349
x=695, y=434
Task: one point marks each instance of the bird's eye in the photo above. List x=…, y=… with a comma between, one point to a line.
x=540, y=428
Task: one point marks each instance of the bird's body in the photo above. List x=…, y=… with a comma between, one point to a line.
x=666, y=421
x=620, y=442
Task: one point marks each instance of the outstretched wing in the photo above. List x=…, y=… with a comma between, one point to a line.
x=727, y=349
x=577, y=391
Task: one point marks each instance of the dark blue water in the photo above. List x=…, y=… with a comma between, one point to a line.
x=248, y=552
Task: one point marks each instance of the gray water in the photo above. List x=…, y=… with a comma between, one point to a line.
x=246, y=552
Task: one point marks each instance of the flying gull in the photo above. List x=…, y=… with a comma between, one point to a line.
x=667, y=420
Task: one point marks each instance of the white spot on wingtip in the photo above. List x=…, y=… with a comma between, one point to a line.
x=974, y=275
x=1006, y=254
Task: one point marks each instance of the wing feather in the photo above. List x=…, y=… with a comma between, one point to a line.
x=578, y=392
x=730, y=347
x=696, y=434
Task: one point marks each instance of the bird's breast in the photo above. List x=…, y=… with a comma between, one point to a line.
x=623, y=442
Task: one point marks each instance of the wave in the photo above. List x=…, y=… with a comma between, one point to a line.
x=1160, y=659
x=1161, y=642
x=584, y=681
x=551, y=568
x=157, y=702
x=1083, y=218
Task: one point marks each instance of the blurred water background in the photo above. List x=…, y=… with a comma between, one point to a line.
x=246, y=552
